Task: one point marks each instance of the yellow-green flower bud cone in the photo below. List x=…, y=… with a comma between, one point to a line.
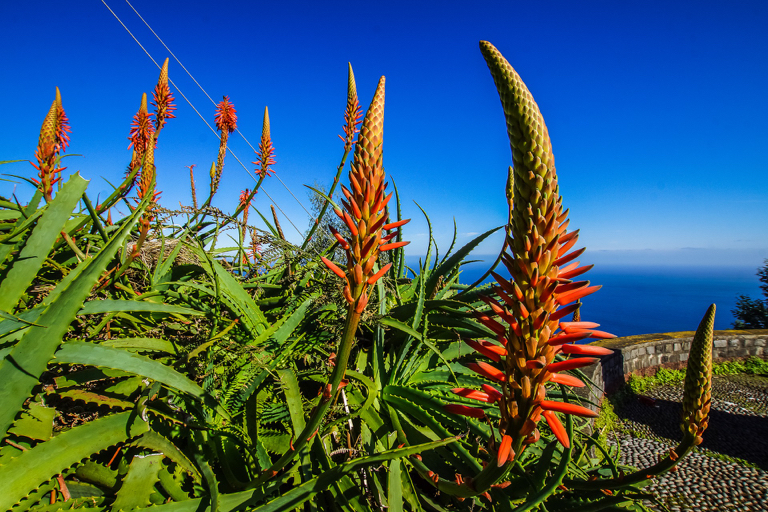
x=698, y=378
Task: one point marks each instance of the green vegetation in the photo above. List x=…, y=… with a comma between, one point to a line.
x=145, y=366
x=753, y=313
x=752, y=365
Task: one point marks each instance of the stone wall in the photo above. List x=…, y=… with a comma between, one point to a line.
x=645, y=353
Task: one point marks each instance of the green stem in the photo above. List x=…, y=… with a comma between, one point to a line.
x=685, y=446
x=313, y=424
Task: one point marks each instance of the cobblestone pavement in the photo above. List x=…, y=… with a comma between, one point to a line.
x=708, y=479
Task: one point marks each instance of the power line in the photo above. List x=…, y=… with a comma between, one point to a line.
x=198, y=113
x=214, y=103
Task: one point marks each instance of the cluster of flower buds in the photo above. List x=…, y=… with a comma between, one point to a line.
x=266, y=151
x=365, y=210
x=527, y=320
x=352, y=114
x=54, y=139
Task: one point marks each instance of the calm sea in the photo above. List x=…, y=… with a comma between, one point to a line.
x=651, y=299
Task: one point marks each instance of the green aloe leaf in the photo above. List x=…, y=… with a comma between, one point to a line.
x=139, y=482
x=30, y=468
x=81, y=352
x=40, y=242
x=20, y=371
x=451, y=263
x=298, y=495
x=96, y=307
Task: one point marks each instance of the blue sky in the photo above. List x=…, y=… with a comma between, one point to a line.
x=656, y=109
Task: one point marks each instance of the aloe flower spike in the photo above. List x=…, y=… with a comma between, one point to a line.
x=696, y=404
x=163, y=99
x=226, y=123
x=266, y=151
x=535, y=298
x=54, y=139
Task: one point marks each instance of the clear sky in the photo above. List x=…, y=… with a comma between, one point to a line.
x=657, y=110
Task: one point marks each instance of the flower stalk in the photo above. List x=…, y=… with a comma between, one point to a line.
x=352, y=118
x=365, y=212
x=528, y=319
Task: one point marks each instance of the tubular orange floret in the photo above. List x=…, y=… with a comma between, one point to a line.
x=560, y=313
x=568, y=326
x=333, y=267
x=575, y=272
x=486, y=370
x=489, y=350
x=569, y=257
x=394, y=225
x=602, y=335
x=375, y=277
x=567, y=380
x=492, y=392
x=585, y=350
x=464, y=410
x=567, y=408
x=562, y=339
x=557, y=428
x=576, y=294
x=474, y=394
x=393, y=245
x=506, y=454
x=571, y=364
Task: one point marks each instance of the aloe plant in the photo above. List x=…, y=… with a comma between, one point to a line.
x=142, y=367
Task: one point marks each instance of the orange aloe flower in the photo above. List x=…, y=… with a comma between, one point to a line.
x=539, y=258
x=53, y=140
x=163, y=99
x=353, y=114
x=365, y=210
x=226, y=123
x=266, y=151
x=142, y=132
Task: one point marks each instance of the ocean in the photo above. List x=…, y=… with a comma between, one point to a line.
x=654, y=299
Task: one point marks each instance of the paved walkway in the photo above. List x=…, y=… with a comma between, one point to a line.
x=708, y=479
